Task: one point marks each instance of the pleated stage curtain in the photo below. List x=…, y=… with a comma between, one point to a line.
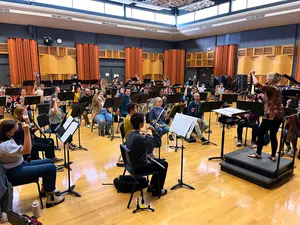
x=133, y=63
x=174, y=65
x=23, y=60
x=297, y=75
x=87, y=56
x=225, y=60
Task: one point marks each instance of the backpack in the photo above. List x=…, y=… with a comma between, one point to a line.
x=128, y=182
x=31, y=220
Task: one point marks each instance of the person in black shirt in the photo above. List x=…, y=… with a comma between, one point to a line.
x=86, y=98
x=138, y=144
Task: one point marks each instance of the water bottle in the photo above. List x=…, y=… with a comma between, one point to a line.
x=36, y=210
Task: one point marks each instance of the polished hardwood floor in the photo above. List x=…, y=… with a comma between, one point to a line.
x=218, y=198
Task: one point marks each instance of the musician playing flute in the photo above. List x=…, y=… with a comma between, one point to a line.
x=201, y=125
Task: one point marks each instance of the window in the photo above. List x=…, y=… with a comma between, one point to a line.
x=89, y=5
x=64, y=3
x=239, y=5
x=163, y=18
x=143, y=15
x=189, y=17
x=128, y=12
x=115, y=10
x=254, y=3
x=205, y=13
x=223, y=8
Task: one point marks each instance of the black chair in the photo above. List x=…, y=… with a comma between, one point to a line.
x=120, y=162
x=129, y=167
x=38, y=186
x=43, y=122
x=43, y=108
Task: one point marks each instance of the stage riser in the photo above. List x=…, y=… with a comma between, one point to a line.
x=255, y=169
x=255, y=178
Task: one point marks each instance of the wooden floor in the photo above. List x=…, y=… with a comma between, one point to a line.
x=219, y=198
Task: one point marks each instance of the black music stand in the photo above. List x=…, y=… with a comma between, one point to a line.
x=94, y=81
x=66, y=96
x=68, y=82
x=49, y=91
x=147, y=81
x=172, y=99
x=229, y=98
x=255, y=107
x=181, y=126
x=28, y=83
x=47, y=83
x=64, y=134
x=289, y=111
x=2, y=101
x=77, y=111
x=12, y=91
x=113, y=103
x=57, y=82
x=203, y=96
x=208, y=107
x=32, y=100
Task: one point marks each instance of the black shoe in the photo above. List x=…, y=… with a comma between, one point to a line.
x=204, y=141
x=171, y=138
x=163, y=192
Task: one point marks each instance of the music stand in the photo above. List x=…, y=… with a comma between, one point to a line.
x=208, y=107
x=255, y=107
x=289, y=111
x=32, y=100
x=57, y=82
x=66, y=96
x=12, y=91
x=77, y=111
x=28, y=83
x=172, y=99
x=3, y=101
x=47, y=83
x=94, y=81
x=64, y=133
x=147, y=81
x=229, y=98
x=203, y=96
x=49, y=91
x=113, y=103
x=181, y=126
x=69, y=81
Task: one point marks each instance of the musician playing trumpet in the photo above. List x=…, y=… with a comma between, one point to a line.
x=201, y=125
x=157, y=115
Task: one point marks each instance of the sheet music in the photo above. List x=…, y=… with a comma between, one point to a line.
x=183, y=124
x=229, y=111
x=70, y=131
x=68, y=122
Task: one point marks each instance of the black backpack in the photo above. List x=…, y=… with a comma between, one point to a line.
x=128, y=182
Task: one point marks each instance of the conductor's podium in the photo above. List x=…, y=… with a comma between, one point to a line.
x=258, y=171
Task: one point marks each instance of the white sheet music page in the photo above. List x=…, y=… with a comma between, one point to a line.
x=182, y=124
x=229, y=111
x=68, y=122
x=70, y=131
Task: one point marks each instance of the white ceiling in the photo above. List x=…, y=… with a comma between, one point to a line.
x=42, y=16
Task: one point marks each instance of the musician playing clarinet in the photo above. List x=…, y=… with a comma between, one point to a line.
x=273, y=113
x=201, y=125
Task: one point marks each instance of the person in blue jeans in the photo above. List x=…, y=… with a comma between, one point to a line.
x=157, y=115
x=101, y=115
x=19, y=171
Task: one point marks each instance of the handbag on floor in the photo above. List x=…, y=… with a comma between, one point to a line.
x=128, y=182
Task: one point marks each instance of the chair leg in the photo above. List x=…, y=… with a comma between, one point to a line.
x=41, y=200
x=43, y=154
x=122, y=181
x=159, y=152
x=92, y=127
x=57, y=143
x=158, y=186
x=132, y=192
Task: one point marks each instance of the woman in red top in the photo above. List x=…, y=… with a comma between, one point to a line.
x=273, y=113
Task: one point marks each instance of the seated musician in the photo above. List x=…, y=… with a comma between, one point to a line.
x=21, y=100
x=132, y=109
x=86, y=98
x=57, y=118
x=38, y=144
x=138, y=145
x=248, y=120
x=77, y=95
x=55, y=95
x=188, y=96
x=126, y=97
x=201, y=125
x=101, y=115
x=157, y=115
x=39, y=91
x=19, y=171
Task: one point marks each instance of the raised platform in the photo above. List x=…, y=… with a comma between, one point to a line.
x=259, y=171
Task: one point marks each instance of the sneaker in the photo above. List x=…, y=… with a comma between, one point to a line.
x=253, y=145
x=290, y=153
x=88, y=126
x=204, y=140
x=3, y=218
x=162, y=193
x=53, y=200
x=59, y=168
x=287, y=150
x=55, y=160
x=43, y=194
x=239, y=143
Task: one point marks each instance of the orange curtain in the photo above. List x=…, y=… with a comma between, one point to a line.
x=297, y=76
x=225, y=58
x=87, y=61
x=133, y=63
x=174, y=65
x=23, y=59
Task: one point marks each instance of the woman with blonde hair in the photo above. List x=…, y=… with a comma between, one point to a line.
x=100, y=115
x=273, y=113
